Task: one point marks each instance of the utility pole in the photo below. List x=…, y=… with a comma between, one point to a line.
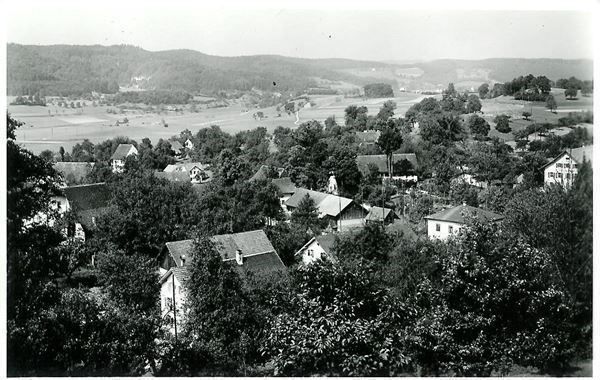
x=174, y=309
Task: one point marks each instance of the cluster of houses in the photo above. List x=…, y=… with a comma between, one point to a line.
x=251, y=251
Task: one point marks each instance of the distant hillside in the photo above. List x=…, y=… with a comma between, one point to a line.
x=66, y=69
x=444, y=71
x=73, y=70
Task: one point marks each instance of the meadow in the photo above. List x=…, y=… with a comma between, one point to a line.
x=52, y=127
x=66, y=127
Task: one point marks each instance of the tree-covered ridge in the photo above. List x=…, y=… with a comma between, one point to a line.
x=74, y=70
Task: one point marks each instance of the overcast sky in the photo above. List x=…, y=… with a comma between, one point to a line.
x=312, y=33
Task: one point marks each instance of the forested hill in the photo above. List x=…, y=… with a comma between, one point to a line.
x=73, y=70
x=66, y=69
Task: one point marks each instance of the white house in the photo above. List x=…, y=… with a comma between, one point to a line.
x=198, y=172
x=563, y=169
x=338, y=211
x=189, y=144
x=449, y=222
x=286, y=189
x=248, y=252
x=317, y=248
x=120, y=155
x=173, y=295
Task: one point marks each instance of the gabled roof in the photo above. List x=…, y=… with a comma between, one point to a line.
x=325, y=241
x=577, y=154
x=378, y=214
x=88, y=197
x=251, y=243
x=121, y=152
x=175, y=145
x=263, y=171
x=380, y=160
x=285, y=185
x=77, y=171
x=182, y=274
x=185, y=167
x=327, y=204
x=174, y=176
x=368, y=136
x=457, y=214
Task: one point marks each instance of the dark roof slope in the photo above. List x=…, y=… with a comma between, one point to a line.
x=88, y=197
x=263, y=171
x=380, y=160
x=176, y=145
x=377, y=214
x=121, y=152
x=285, y=185
x=182, y=274
x=577, y=154
x=327, y=204
x=250, y=243
x=457, y=214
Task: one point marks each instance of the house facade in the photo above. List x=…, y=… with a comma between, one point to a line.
x=197, y=171
x=340, y=212
x=120, y=155
x=248, y=252
x=317, y=248
x=449, y=222
x=563, y=169
x=189, y=144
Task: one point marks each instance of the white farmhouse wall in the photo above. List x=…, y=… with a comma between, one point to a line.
x=438, y=229
x=312, y=253
x=166, y=297
x=561, y=172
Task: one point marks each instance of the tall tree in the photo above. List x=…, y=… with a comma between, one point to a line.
x=389, y=141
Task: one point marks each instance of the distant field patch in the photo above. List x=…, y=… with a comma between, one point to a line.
x=81, y=119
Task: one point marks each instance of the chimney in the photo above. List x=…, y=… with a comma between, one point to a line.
x=238, y=257
x=182, y=260
x=464, y=203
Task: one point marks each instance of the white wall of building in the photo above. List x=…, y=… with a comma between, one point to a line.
x=312, y=253
x=562, y=172
x=166, y=297
x=438, y=229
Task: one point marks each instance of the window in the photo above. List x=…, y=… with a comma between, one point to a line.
x=574, y=166
x=450, y=229
x=559, y=175
x=567, y=166
x=559, y=165
x=550, y=175
x=438, y=227
x=568, y=175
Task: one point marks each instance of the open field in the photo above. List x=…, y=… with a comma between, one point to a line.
x=540, y=114
x=68, y=127
x=42, y=131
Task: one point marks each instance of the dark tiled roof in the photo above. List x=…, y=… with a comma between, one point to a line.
x=121, y=152
x=174, y=176
x=378, y=214
x=260, y=264
x=88, y=197
x=180, y=248
x=327, y=204
x=457, y=214
x=250, y=243
x=75, y=171
x=285, y=185
x=182, y=274
x=380, y=160
x=327, y=242
x=262, y=173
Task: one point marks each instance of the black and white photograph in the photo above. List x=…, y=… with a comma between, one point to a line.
x=298, y=189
